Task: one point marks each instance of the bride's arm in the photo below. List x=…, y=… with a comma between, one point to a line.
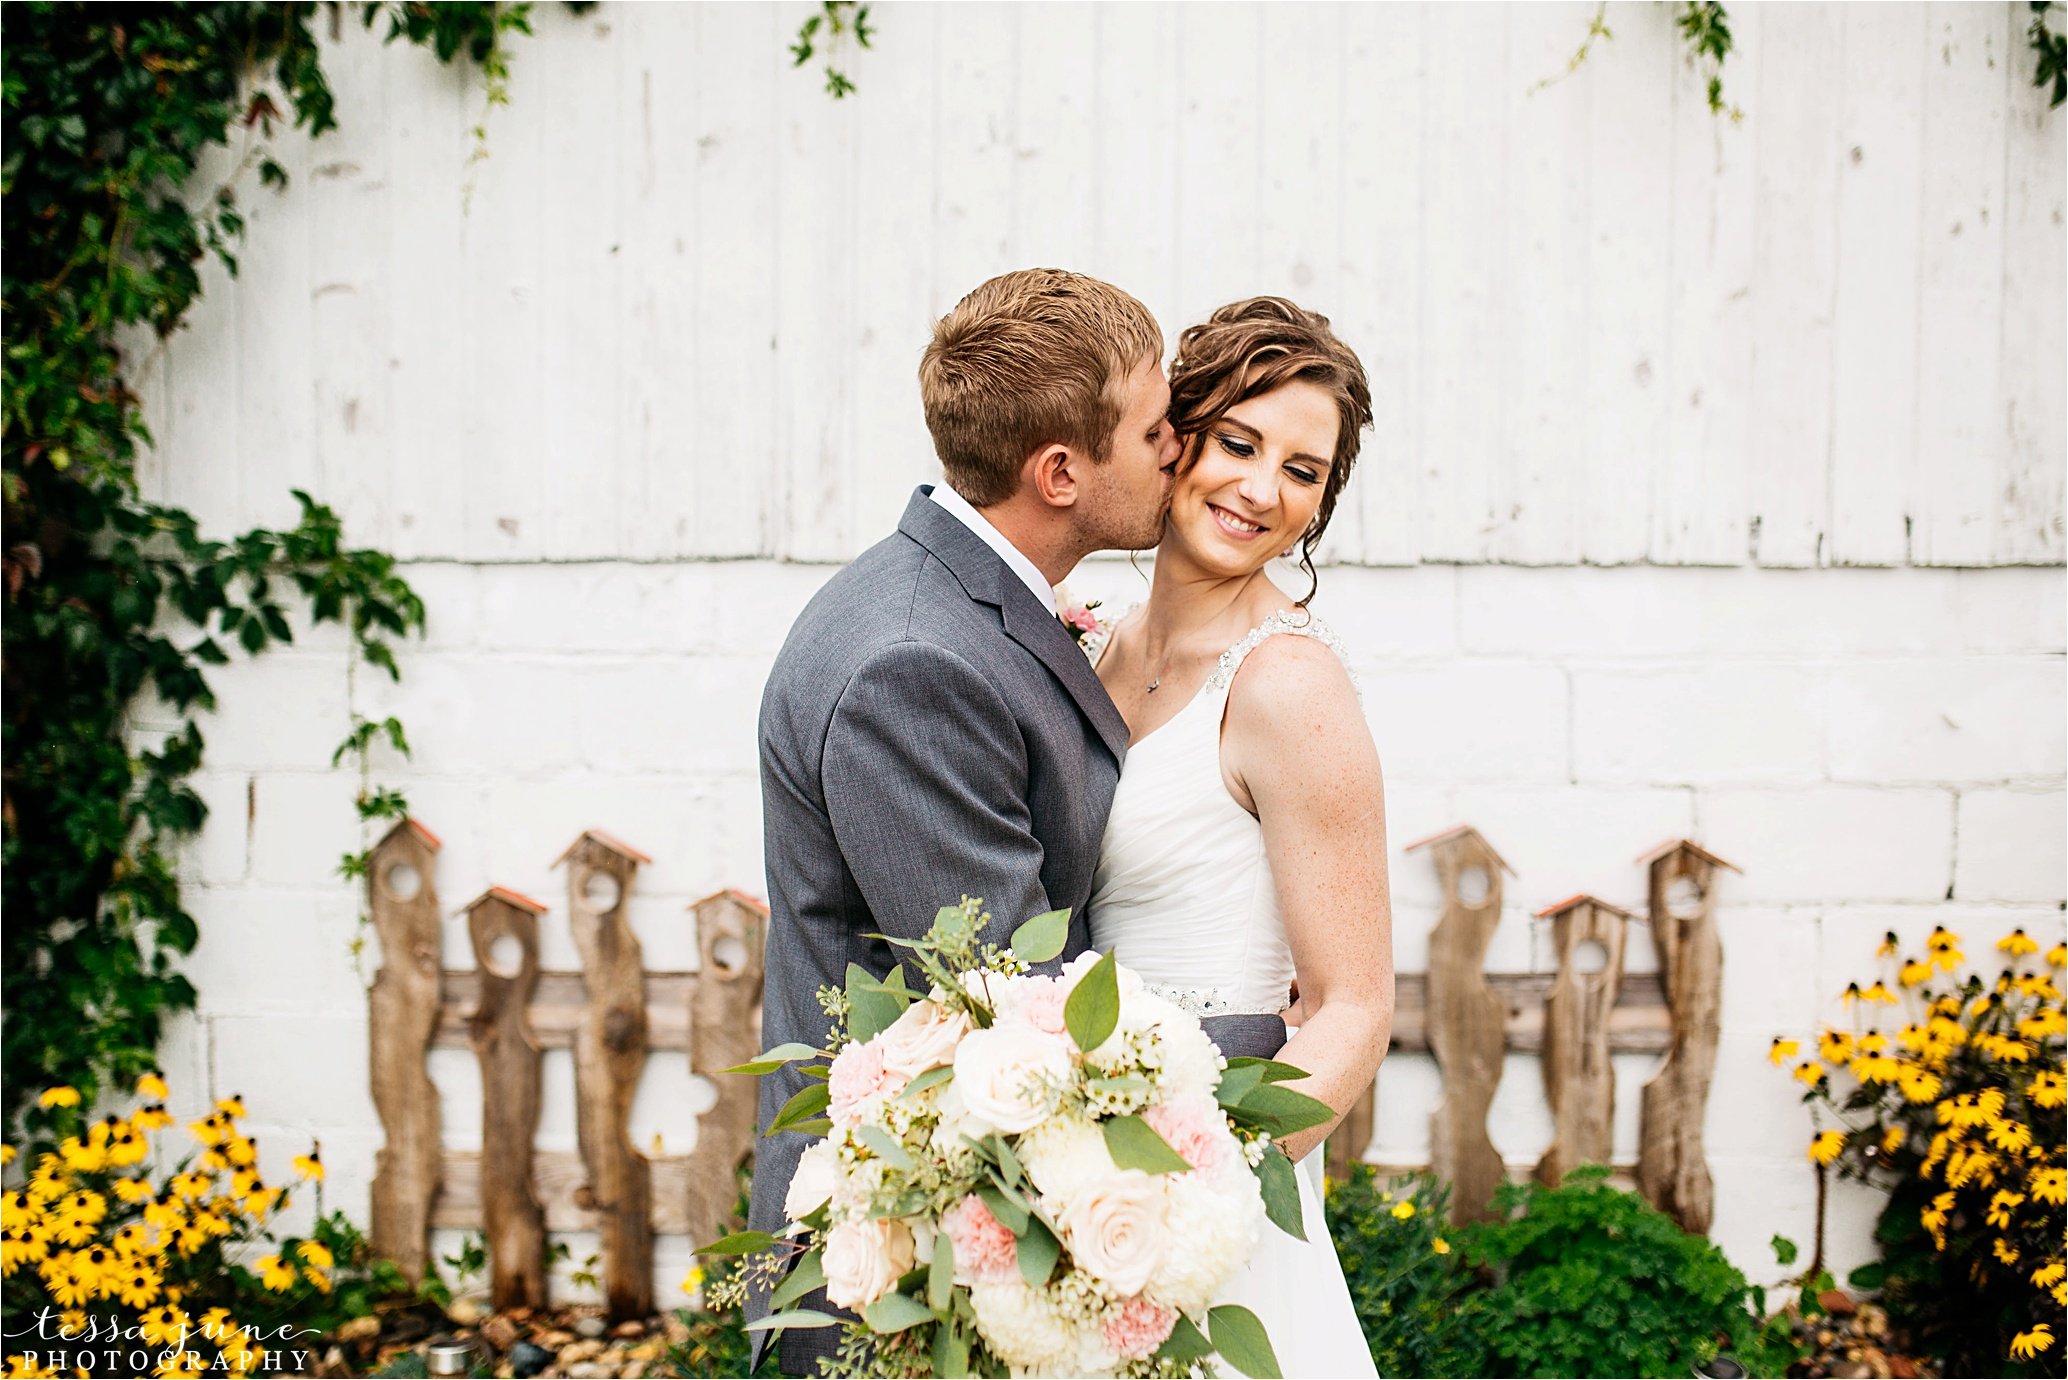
x=1296, y=745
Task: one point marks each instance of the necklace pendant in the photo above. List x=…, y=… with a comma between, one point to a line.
x=1153, y=684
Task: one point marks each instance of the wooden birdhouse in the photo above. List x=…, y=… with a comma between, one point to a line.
x=501, y=1034
x=402, y=1016
x=1587, y=934
x=1672, y=1171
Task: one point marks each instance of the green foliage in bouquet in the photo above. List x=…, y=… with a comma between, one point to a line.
x=1587, y=1280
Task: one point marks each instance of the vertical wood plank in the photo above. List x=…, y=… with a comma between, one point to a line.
x=275, y=351
x=1700, y=509
x=349, y=285
x=893, y=283
x=502, y=250
x=733, y=427
x=513, y=1221
x=1672, y=1169
x=1960, y=437
x=1464, y=291
x=1134, y=178
x=1056, y=140
x=572, y=69
x=974, y=146
x=1579, y=1082
x=402, y=1013
x=725, y=1030
x=1795, y=269
x=609, y=1057
x=1539, y=357
x=1467, y=1023
x=815, y=180
x=1218, y=152
x=2030, y=526
x=1384, y=109
x=1873, y=424
x=1629, y=156
x=424, y=470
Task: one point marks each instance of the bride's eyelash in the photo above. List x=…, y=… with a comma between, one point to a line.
x=1243, y=449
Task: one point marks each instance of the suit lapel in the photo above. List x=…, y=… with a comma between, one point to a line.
x=986, y=579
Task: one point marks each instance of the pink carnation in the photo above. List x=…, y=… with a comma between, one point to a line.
x=1081, y=618
x=1039, y=1001
x=1138, y=1327
x=985, y=1252
x=857, y=1076
x=1195, y=1128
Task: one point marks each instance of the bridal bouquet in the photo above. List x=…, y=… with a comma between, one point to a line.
x=1026, y=1174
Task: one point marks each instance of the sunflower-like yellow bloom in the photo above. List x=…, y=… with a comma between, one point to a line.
x=1781, y=1051
x=2049, y=1274
x=2027, y=1345
x=1879, y=992
x=1825, y=1147
x=1876, y=1068
x=1874, y=1042
x=316, y=1253
x=1403, y=1210
x=2005, y=1251
x=275, y=1273
x=1808, y=1074
x=1999, y=1213
x=152, y=1118
x=2050, y=1185
x=2018, y=943
x=2057, y=956
x=1836, y=1046
x=63, y=1095
x=310, y=1166
x=2043, y=1024
x=1918, y=1085
x=1913, y=971
x=317, y=1278
x=153, y=1087
x=2047, y=1089
x=83, y=1157
x=163, y=1325
x=232, y=1106
x=1941, y=938
x=1891, y=1138
x=139, y=1286
x=7, y=1153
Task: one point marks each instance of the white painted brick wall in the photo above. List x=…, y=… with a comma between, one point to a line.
x=1792, y=721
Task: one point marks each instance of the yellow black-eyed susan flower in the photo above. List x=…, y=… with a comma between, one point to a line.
x=2049, y=1274
x=1808, y=1074
x=2049, y=1185
x=152, y=1118
x=231, y=1106
x=2005, y=1251
x=1918, y=1085
x=1440, y=1246
x=6, y=1155
x=1403, y=1210
x=1836, y=1046
x=1891, y=1138
x=1913, y=971
x=1851, y=993
x=163, y=1325
x=310, y=1166
x=62, y=1095
x=2030, y=1343
x=2018, y=943
x=275, y=1273
x=1879, y=992
x=2057, y=956
x=2000, y=1205
x=1825, y=1147
x=1781, y=1050
x=153, y=1086
x=1888, y=946
x=316, y=1253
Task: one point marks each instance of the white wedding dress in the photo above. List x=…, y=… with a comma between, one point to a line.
x=1183, y=894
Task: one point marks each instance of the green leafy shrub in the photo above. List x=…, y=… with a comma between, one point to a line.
x=719, y=1343
x=1585, y=1279
x=1404, y=1274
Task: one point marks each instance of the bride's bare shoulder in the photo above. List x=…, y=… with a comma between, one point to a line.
x=1291, y=690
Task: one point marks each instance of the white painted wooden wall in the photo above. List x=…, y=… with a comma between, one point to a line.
x=679, y=315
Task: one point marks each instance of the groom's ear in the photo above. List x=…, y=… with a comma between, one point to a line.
x=1054, y=470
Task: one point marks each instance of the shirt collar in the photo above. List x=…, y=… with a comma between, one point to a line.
x=1015, y=559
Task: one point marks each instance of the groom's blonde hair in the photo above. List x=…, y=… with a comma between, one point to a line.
x=1029, y=359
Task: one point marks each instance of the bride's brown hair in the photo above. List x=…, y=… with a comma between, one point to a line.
x=1249, y=348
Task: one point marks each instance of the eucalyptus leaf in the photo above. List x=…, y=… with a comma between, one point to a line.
x=1280, y=1184
x=1043, y=937
x=1013, y=1215
x=870, y=1009
x=940, y=1273
x=800, y=1317
x=950, y=1352
x=1093, y=1008
x=1242, y=1342
x=739, y=1243
x=895, y=1313
x=886, y=1148
x=1038, y=1251
x=771, y=1060
x=809, y=1275
x=1134, y=1144
x=809, y=1101
x=932, y=1078
x=1271, y=1070
x=1186, y=1343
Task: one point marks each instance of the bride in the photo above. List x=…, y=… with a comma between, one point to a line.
x=1246, y=850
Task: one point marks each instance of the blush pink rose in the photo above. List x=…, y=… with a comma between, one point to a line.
x=1039, y=1002
x=985, y=1252
x=1138, y=1327
x=859, y=1081
x=1195, y=1128
x=1081, y=618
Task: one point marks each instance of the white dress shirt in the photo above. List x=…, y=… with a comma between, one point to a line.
x=1015, y=559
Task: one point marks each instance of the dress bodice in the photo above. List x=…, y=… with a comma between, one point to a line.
x=1183, y=891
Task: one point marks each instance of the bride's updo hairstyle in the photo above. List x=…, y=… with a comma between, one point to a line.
x=1249, y=348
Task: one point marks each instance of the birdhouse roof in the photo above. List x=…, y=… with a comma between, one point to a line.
x=515, y=898
x=1581, y=898
x=613, y=843
x=747, y=899
x=414, y=826
x=1453, y=832
x=1646, y=859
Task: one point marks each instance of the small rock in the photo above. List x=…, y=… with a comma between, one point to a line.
x=588, y=1370
x=1873, y=1320
x=1837, y=1303
x=631, y=1330
x=466, y=1311
x=554, y=1338
x=675, y=1329
x=590, y=1327
x=528, y=1359
x=1851, y=1370
x=579, y=1352
x=360, y=1329
x=499, y=1332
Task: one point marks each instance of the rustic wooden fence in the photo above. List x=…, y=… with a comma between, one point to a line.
x=614, y=1014
x=1574, y=1018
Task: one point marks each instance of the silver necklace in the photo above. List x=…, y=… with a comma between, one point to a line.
x=1153, y=684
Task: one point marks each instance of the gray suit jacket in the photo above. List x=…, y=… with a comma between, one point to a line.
x=929, y=729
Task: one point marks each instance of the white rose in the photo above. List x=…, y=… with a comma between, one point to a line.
x=818, y=1170
x=863, y=1260
x=923, y=1038
x=1118, y=1229
x=1003, y=1075
x=1064, y=1156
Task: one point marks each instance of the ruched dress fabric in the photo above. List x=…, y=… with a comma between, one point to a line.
x=1183, y=894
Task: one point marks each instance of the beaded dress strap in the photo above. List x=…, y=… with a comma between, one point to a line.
x=1299, y=624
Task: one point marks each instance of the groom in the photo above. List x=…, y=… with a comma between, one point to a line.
x=930, y=728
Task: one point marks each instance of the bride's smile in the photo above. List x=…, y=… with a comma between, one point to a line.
x=1251, y=483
